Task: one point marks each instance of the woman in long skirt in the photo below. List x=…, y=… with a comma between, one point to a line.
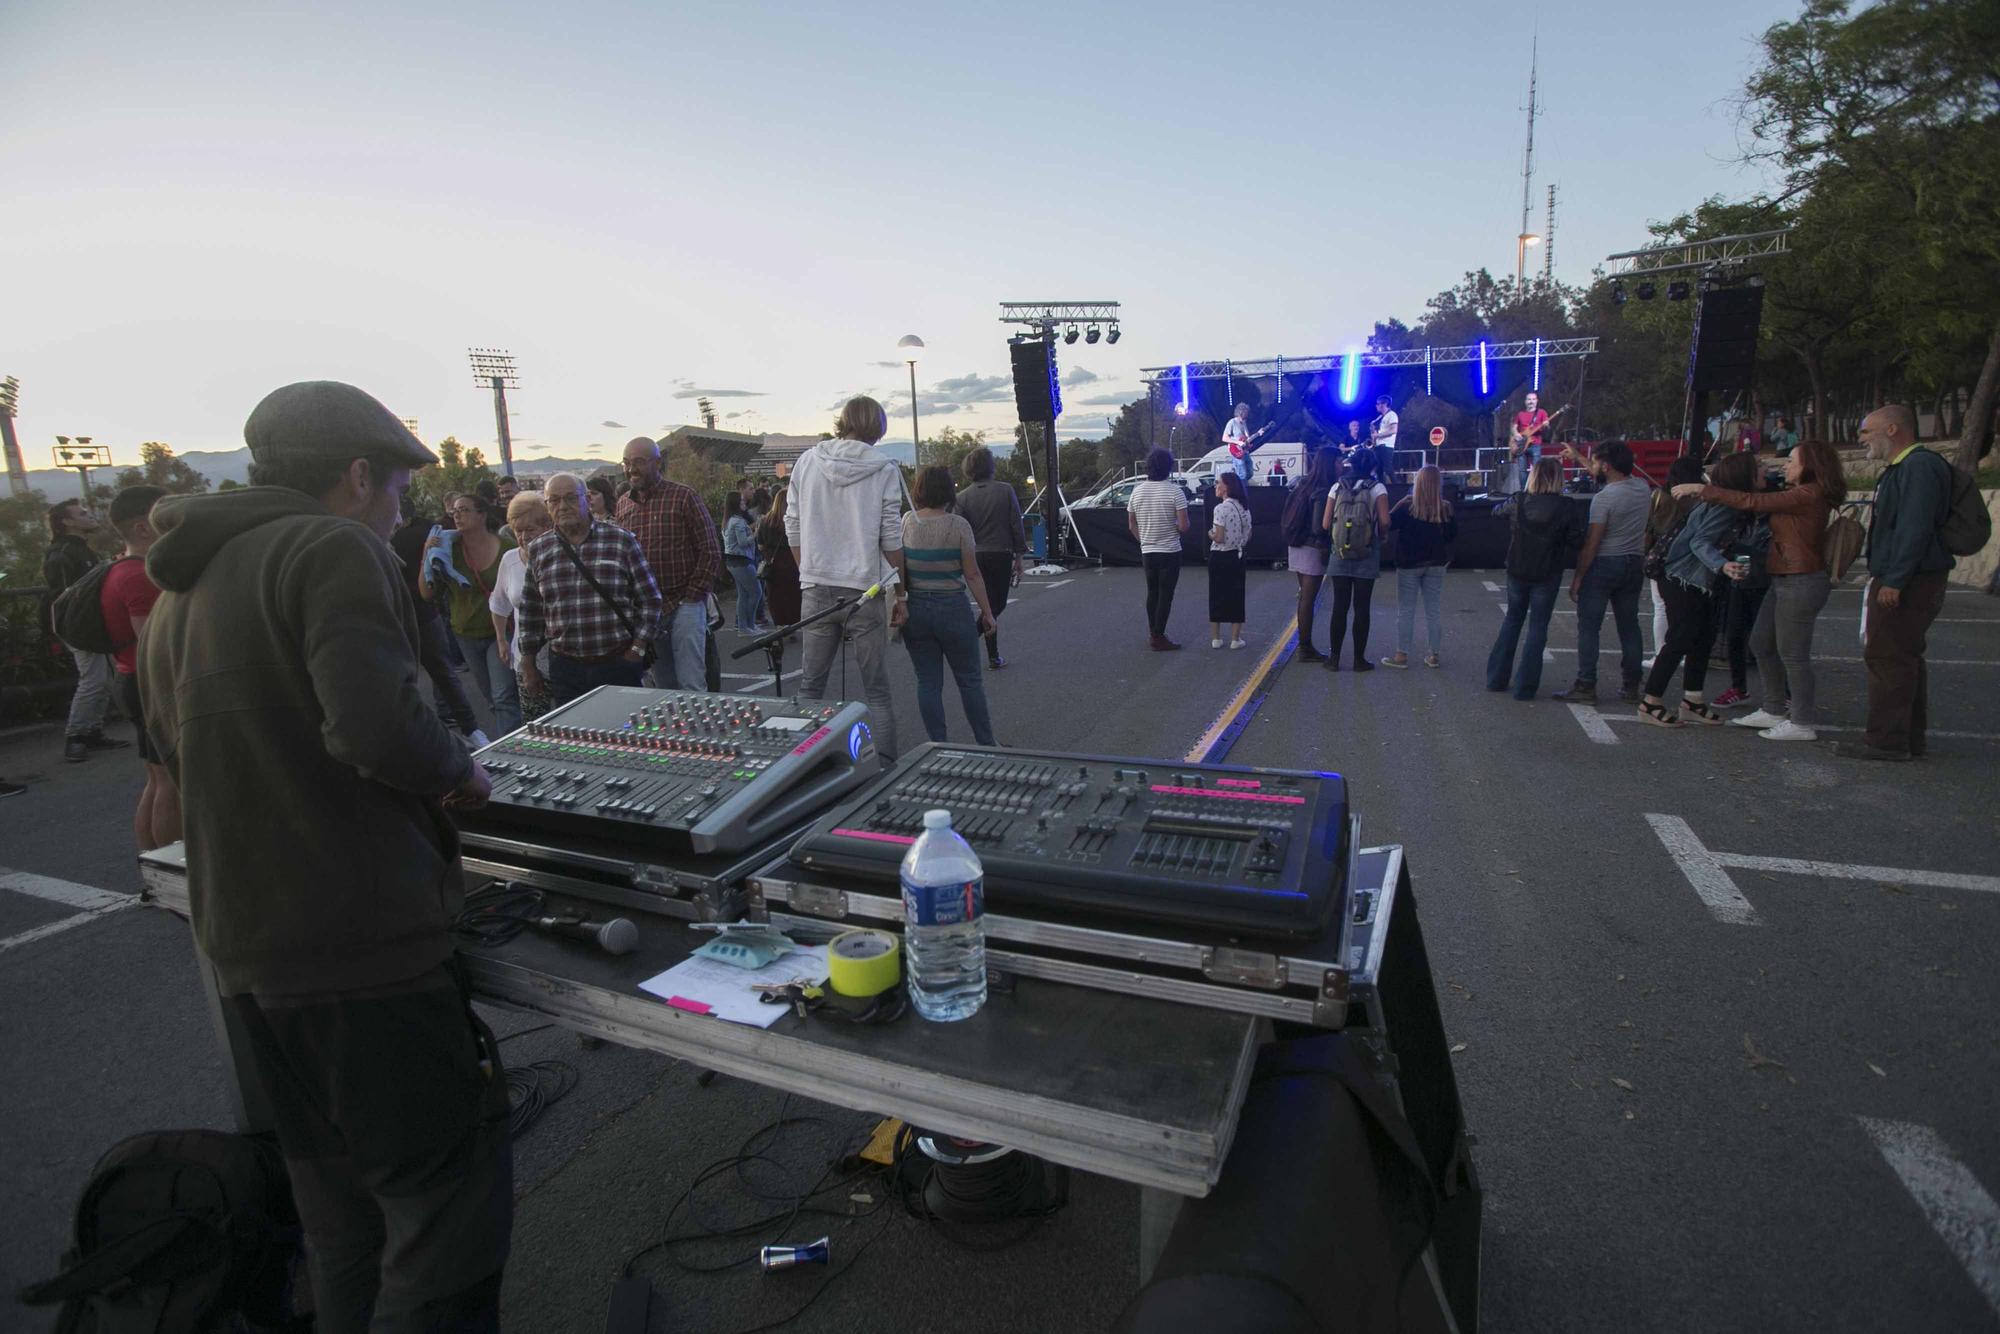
x=1227, y=537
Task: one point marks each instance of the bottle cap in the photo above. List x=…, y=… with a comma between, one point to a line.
x=937, y=819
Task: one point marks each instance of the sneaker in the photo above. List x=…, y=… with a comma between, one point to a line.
x=99, y=741
x=1788, y=731
x=996, y=662
x=1239, y=643
x=74, y=750
x=1759, y=720
x=1215, y=643
x=1582, y=692
x=1398, y=663
x=8, y=789
x=1731, y=698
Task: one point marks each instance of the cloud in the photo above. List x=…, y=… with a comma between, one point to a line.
x=889, y=365
x=974, y=388
x=1105, y=400
x=1080, y=376
x=718, y=393
x=616, y=426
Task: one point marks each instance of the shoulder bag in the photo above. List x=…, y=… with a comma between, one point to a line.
x=624, y=621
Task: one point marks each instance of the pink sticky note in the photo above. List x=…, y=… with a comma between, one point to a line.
x=691, y=1006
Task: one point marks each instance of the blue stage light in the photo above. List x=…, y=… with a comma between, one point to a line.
x=1183, y=408
x=1485, y=382
x=1538, y=366
x=1427, y=372
x=1350, y=376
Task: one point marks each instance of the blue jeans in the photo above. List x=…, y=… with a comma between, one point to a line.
x=1616, y=580
x=569, y=678
x=1429, y=581
x=749, y=594
x=1531, y=605
x=680, y=653
x=942, y=628
x=495, y=681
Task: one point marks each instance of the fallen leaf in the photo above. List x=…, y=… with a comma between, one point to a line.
x=1947, y=907
x=1621, y=1083
x=1457, y=1047
x=1624, y=1023
x=1894, y=889
x=1621, y=977
x=1758, y=1060
x=1878, y=1069
x=1631, y=1115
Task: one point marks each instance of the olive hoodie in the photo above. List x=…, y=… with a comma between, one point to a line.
x=279, y=674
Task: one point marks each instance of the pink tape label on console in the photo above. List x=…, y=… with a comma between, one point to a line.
x=1238, y=782
x=811, y=741
x=1214, y=795
x=873, y=837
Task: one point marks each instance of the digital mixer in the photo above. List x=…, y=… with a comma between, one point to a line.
x=1259, y=851
x=714, y=773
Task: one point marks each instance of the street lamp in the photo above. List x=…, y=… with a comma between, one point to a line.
x=908, y=346
x=1521, y=244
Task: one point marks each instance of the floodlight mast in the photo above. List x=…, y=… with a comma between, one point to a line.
x=17, y=468
x=494, y=368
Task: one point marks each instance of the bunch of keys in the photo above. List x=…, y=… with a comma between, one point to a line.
x=795, y=993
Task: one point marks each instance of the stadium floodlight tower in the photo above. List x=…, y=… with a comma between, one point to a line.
x=494, y=368
x=10, y=403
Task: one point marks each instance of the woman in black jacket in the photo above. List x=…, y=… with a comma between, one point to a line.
x=1544, y=528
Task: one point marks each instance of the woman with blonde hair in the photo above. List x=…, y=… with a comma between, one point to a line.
x=1545, y=528
x=528, y=518
x=1425, y=528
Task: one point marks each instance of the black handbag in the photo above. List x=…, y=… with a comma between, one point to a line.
x=624, y=621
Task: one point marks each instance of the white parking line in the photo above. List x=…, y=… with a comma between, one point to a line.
x=92, y=902
x=761, y=676
x=1593, y=724
x=1708, y=870
x=1057, y=584
x=1825, y=727
x=1492, y=587
x=1709, y=880
x=1957, y=1207
x=1929, y=662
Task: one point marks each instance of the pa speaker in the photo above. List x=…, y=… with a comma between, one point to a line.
x=1037, y=396
x=1725, y=339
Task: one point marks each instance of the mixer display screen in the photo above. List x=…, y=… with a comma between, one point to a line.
x=1257, y=850
x=711, y=772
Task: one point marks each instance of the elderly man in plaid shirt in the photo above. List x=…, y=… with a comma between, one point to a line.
x=678, y=536
x=597, y=636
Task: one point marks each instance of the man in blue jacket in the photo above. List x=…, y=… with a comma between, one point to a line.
x=1907, y=565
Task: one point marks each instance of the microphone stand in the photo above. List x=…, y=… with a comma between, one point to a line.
x=773, y=642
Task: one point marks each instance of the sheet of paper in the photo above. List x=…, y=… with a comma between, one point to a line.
x=726, y=989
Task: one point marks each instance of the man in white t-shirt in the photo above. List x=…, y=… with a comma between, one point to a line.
x=1242, y=442
x=1156, y=516
x=1385, y=437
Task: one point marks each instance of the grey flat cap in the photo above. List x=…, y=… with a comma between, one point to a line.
x=325, y=419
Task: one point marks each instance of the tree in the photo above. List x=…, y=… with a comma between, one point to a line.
x=159, y=467
x=458, y=469
x=948, y=448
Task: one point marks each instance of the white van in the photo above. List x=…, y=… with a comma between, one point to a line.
x=1262, y=460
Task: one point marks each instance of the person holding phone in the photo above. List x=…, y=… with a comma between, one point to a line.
x=1698, y=569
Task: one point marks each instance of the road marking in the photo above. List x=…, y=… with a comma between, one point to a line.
x=1892, y=875
x=1492, y=587
x=1711, y=883
x=1592, y=722
x=1214, y=744
x=1824, y=727
x=1929, y=662
x=761, y=676
x=91, y=901
x=1957, y=1207
x=1057, y=584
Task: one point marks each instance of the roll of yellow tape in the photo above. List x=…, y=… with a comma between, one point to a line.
x=863, y=963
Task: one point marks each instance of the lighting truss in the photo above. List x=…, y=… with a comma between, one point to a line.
x=1407, y=356
x=490, y=364
x=1037, y=314
x=1720, y=252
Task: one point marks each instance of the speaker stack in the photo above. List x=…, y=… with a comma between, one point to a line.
x=1037, y=396
x=1725, y=339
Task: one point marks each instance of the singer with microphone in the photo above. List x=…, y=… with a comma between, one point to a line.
x=279, y=674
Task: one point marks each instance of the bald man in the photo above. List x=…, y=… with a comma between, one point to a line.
x=677, y=534
x=1907, y=566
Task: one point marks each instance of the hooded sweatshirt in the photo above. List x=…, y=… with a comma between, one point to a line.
x=279, y=672
x=846, y=509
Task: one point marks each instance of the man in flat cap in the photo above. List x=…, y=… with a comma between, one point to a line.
x=279, y=670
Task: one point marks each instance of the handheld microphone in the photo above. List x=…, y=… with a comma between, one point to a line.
x=617, y=936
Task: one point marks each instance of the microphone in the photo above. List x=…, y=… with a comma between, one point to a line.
x=617, y=936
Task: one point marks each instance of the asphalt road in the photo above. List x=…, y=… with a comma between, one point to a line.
x=1678, y=1111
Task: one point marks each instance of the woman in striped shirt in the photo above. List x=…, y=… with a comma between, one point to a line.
x=941, y=557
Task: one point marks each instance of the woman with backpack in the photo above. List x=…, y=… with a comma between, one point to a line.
x=1425, y=528
x=1356, y=516
x=1544, y=528
x=1228, y=534
x=1697, y=564
x=1305, y=541
x=1781, y=639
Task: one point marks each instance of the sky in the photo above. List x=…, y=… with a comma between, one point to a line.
x=755, y=201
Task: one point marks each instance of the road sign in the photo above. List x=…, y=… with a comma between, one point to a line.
x=1437, y=437
x=83, y=456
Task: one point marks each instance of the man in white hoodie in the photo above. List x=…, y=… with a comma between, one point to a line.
x=844, y=522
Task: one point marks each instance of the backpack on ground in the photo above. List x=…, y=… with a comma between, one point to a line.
x=179, y=1232
x=1353, y=522
x=76, y=615
x=1968, y=525
x=1845, y=537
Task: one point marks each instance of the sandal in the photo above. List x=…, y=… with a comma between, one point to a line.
x=1657, y=715
x=1702, y=713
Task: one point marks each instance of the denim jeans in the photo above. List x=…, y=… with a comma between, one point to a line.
x=749, y=595
x=569, y=678
x=1163, y=575
x=866, y=628
x=941, y=629
x=680, y=652
x=495, y=682
x=1616, y=580
x=1429, y=581
x=1530, y=605
x=1782, y=641
x=93, y=693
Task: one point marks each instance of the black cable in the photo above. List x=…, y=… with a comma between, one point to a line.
x=523, y=1032
x=532, y=1089
x=496, y=913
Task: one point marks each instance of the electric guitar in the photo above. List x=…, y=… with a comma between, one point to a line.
x=1516, y=441
x=1241, y=448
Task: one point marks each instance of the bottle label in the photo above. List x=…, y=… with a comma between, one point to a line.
x=943, y=905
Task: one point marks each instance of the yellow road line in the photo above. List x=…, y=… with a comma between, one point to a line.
x=1241, y=699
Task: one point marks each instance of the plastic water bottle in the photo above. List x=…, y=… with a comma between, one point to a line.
x=944, y=940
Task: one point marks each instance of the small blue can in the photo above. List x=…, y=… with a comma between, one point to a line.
x=787, y=1257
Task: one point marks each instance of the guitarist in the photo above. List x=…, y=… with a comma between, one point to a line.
x=1242, y=441
x=1526, y=439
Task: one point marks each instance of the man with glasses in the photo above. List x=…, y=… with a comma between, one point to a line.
x=678, y=536
x=589, y=595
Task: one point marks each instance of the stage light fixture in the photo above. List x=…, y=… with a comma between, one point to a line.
x=1350, y=376
x=1485, y=380
x=1647, y=291
x=1618, y=294
x=1182, y=407
x=1071, y=336
x=1112, y=337
x=1094, y=334
x=1677, y=291
x=1537, y=386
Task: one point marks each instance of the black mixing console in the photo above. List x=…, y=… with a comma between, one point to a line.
x=1259, y=851
x=707, y=772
